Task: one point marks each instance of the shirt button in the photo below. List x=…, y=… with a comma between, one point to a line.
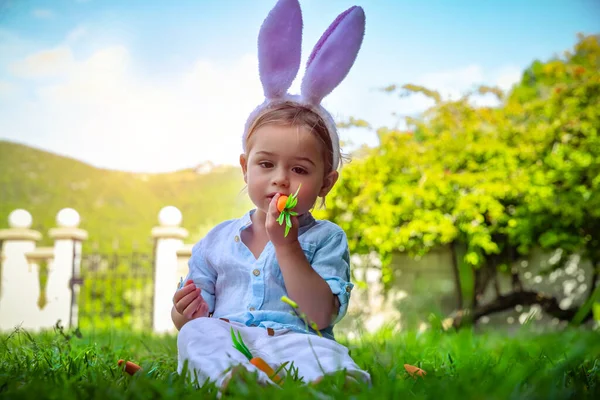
x=252, y=309
x=236, y=238
x=256, y=272
x=348, y=289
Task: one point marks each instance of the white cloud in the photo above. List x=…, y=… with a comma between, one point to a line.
x=455, y=83
x=451, y=83
x=99, y=80
x=13, y=46
x=76, y=34
x=103, y=113
x=44, y=64
x=363, y=99
x=506, y=77
x=7, y=89
x=42, y=13
x=101, y=110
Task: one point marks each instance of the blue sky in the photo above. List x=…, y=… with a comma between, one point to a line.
x=159, y=85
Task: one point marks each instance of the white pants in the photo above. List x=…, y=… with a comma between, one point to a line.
x=207, y=346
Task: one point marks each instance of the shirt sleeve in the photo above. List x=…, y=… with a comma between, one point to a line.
x=332, y=262
x=203, y=275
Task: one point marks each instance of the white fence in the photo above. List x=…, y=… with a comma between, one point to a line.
x=21, y=260
x=20, y=276
x=418, y=286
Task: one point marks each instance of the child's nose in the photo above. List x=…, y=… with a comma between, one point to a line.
x=281, y=178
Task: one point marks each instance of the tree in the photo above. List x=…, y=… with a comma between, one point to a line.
x=500, y=180
x=556, y=108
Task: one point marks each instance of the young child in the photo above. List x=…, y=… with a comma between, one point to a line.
x=239, y=272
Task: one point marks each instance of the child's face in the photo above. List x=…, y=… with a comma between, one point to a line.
x=281, y=158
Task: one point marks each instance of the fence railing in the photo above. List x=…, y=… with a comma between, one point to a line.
x=40, y=286
x=116, y=291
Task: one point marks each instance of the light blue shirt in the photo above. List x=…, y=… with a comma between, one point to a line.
x=241, y=288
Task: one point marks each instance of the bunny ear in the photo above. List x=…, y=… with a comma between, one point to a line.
x=279, y=48
x=333, y=55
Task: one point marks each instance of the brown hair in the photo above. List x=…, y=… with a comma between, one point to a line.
x=288, y=113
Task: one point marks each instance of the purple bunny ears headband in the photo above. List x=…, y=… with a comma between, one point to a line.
x=279, y=47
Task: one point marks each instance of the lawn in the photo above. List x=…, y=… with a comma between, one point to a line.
x=493, y=365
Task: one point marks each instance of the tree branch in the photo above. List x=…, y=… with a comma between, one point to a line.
x=596, y=269
x=456, y=271
x=525, y=298
x=516, y=281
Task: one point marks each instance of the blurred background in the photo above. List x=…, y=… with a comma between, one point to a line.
x=473, y=194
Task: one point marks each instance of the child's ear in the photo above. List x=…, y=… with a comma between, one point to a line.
x=330, y=180
x=244, y=165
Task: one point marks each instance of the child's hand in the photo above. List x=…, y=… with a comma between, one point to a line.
x=188, y=301
x=275, y=231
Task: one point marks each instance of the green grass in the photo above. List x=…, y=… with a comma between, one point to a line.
x=563, y=365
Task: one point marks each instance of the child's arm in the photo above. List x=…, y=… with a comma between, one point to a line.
x=196, y=298
x=305, y=286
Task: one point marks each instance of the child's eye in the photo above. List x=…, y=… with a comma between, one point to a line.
x=265, y=164
x=300, y=171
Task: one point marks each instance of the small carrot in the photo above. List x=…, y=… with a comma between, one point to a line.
x=258, y=362
x=266, y=368
x=285, y=204
x=412, y=370
x=281, y=202
x=130, y=367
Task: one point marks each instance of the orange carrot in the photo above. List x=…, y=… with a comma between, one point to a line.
x=266, y=368
x=130, y=367
x=258, y=362
x=281, y=202
x=412, y=370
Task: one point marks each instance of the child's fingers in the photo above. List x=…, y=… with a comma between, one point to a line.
x=192, y=307
x=202, y=310
x=184, y=291
x=294, y=220
x=273, y=205
x=182, y=305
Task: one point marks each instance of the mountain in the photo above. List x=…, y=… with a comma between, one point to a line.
x=118, y=209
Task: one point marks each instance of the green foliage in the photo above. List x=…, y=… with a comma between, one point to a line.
x=353, y=122
x=501, y=180
x=117, y=292
x=116, y=208
x=458, y=365
x=556, y=111
x=238, y=344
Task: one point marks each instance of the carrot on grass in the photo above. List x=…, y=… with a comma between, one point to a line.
x=412, y=370
x=130, y=367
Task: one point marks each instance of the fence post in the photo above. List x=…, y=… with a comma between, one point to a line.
x=61, y=292
x=168, y=238
x=19, y=280
x=40, y=259
x=183, y=256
